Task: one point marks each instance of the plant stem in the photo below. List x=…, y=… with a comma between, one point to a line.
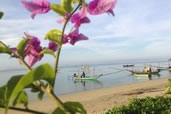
x=52, y=95
x=46, y=90
x=38, y=83
x=24, y=110
x=60, y=47
x=25, y=64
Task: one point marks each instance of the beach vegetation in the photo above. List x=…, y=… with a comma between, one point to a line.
x=168, y=89
x=147, y=105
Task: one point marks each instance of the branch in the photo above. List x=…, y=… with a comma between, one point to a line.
x=24, y=110
x=60, y=47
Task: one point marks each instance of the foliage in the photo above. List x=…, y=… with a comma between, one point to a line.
x=73, y=106
x=58, y=9
x=21, y=98
x=17, y=83
x=4, y=49
x=41, y=79
x=54, y=35
x=148, y=105
x=168, y=89
x=21, y=46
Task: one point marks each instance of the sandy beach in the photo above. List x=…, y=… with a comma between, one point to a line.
x=100, y=100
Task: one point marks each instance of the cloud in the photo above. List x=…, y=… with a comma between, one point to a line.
x=139, y=29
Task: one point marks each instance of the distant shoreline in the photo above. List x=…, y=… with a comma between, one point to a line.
x=100, y=100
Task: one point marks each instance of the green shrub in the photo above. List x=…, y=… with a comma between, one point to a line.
x=148, y=105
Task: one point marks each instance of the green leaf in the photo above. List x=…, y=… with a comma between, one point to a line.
x=168, y=90
x=21, y=46
x=75, y=1
x=40, y=95
x=67, y=5
x=2, y=95
x=58, y=111
x=4, y=49
x=35, y=89
x=1, y=14
x=75, y=107
x=58, y=9
x=47, y=51
x=54, y=35
x=17, y=83
x=21, y=98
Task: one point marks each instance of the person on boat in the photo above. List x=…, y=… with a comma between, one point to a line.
x=145, y=69
x=83, y=75
x=150, y=69
x=75, y=75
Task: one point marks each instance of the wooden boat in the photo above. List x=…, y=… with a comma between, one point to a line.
x=131, y=65
x=141, y=72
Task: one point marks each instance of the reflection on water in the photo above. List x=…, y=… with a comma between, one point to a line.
x=84, y=82
x=148, y=77
x=66, y=84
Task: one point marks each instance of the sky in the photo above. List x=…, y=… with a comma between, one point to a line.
x=140, y=29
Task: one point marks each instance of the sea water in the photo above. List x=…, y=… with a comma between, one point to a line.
x=113, y=74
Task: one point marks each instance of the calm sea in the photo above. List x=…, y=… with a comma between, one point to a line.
x=113, y=75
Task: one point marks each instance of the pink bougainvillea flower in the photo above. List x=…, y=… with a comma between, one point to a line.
x=32, y=50
x=33, y=56
x=53, y=46
x=78, y=21
x=65, y=39
x=76, y=36
x=36, y=6
x=80, y=18
x=62, y=19
x=101, y=6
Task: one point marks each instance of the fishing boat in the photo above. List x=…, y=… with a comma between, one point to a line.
x=144, y=73
x=128, y=65
x=163, y=68
x=141, y=72
x=87, y=74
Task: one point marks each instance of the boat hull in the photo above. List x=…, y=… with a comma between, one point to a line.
x=86, y=78
x=144, y=73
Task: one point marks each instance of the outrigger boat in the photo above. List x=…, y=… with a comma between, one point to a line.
x=86, y=70
x=143, y=74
